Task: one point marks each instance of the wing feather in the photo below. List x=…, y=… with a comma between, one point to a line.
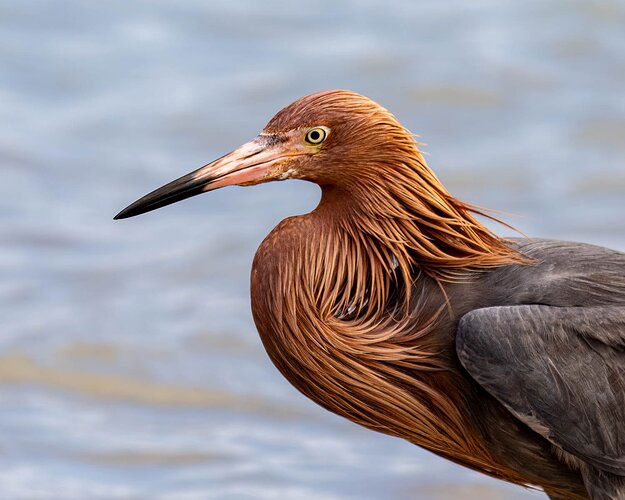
x=560, y=370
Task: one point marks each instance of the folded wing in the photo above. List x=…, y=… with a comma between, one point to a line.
x=560, y=370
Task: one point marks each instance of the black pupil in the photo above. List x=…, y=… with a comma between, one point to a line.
x=315, y=135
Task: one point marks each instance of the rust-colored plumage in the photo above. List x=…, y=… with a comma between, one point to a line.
x=343, y=297
x=358, y=302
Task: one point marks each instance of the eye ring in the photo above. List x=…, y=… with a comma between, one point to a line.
x=316, y=135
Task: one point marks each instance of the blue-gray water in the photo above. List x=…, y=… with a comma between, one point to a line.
x=129, y=364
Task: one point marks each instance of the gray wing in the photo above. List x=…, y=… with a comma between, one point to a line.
x=560, y=370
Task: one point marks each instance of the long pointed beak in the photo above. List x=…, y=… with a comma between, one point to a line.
x=252, y=163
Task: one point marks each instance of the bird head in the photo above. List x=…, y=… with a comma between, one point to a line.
x=329, y=138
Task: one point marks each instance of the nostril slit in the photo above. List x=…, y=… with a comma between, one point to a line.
x=253, y=154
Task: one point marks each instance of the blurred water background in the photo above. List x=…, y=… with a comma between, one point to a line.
x=129, y=363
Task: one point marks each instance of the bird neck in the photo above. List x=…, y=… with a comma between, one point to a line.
x=348, y=319
x=400, y=204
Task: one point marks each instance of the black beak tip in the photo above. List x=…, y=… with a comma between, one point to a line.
x=136, y=208
x=124, y=214
x=180, y=189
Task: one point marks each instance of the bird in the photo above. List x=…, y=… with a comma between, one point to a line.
x=394, y=305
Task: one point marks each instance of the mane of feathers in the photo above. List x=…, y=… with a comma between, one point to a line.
x=394, y=197
x=336, y=299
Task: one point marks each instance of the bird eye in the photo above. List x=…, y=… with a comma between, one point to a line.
x=316, y=135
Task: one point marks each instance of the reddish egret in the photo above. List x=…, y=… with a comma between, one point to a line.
x=392, y=305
